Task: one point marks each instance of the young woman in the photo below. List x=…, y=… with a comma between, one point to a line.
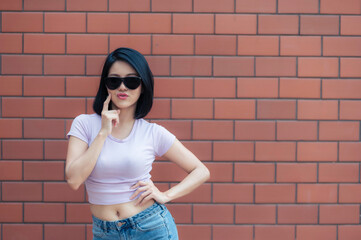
x=112, y=151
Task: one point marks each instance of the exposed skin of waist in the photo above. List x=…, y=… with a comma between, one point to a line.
x=118, y=211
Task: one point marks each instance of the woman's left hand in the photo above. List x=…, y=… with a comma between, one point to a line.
x=148, y=191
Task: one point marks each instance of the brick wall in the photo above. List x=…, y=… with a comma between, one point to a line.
x=267, y=93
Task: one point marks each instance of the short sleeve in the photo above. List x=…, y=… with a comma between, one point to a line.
x=79, y=128
x=163, y=139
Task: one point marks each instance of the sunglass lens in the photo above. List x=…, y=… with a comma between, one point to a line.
x=132, y=82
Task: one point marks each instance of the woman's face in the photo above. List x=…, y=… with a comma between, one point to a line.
x=122, y=97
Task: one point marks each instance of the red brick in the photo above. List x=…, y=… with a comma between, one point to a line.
x=44, y=86
x=78, y=213
x=349, y=232
x=233, y=66
x=201, y=232
x=22, y=22
x=180, y=128
x=296, y=130
x=160, y=109
x=276, y=109
x=275, y=193
x=182, y=213
x=43, y=170
x=22, y=107
x=297, y=214
x=298, y=6
x=219, y=213
x=11, y=85
x=64, y=231
x=82, y=86
x=166, y=171
x=316, y=232
x=65, y=22
x=274, y=232
x=350, y=67
x=169, y=87
x=276, y=66
x=236, y=24
x=87, y=44
x=213, y=6
x=192, y=108
x=255, y=214
x=22, y=231
x=316, y=193
x=11, y=170
x=317, y=110
x=41, y=128
x=350, y=25
x=129, y=5
x=171, y=6
x=21, y=64
x=107, y=23
x=233, y=151
x=275, y=151
x=150, y=23
x=339, y=214
x=94, y=64
x=64, y=65
x=257, y=87
x=228, y=232
x=215, y=45
x=47, y=5
x=319, y=25
x=317, y=151
x=193, y=23
x=317, y=67
x=254, y=172
x=338, y=172
x=241, y=193
x=222, y=130
x=258, y=45
x=11, y=43
x=278, y=24
x=220, y=172
x=89, y=106
x=22, y=191
x=140, y=42
x=11, y=5
x=256, y=6
x=255, y=130
x=160, y=65
x=202, y=194
x=202, y=149
x=234, y=109
x=344, y=7
x=191, y=66
x=300, y=46
x=59, y=107
x=44, y=212
x=55, y=149
x=296, y=172
x=30, y=149
x=173, y=44
x=337, y=130
x=11, y=212
x=342, y=46
x=341, y=88
x=11, y=128
x=300, y=88
x=349, y=193
x=350, y=151
x=86, y=5
x=210, y=87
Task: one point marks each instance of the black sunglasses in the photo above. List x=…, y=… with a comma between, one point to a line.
x=131, y=82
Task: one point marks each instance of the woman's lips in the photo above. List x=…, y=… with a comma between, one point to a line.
x=122, y=96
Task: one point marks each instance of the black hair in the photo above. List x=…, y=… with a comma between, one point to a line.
x=139, y=63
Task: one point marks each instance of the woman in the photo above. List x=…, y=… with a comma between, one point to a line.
x=112, y=151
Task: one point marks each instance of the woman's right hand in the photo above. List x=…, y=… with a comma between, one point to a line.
x=110, y=118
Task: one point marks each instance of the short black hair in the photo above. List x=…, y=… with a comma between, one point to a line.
x=140, y=64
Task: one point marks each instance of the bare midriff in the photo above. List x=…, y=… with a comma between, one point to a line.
x=118, y=211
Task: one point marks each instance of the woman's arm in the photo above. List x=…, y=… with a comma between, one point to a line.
x=197, y=174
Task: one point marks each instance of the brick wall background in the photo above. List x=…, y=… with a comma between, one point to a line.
x=267, y=93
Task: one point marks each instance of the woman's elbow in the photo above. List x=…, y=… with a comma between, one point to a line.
x=206, y=173
x=73, y=184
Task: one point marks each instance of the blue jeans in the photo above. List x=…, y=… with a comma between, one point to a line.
x=155, y=222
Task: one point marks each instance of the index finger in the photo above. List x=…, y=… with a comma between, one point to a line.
x=106, y=103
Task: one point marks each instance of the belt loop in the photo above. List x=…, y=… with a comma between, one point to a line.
x=105, y=226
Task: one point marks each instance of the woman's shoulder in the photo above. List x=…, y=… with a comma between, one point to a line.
x=88, y=118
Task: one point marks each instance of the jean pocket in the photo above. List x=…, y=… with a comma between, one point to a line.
x=97, y=232
x=150, y=223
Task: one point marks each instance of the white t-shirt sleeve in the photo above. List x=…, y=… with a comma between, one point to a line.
x=163, y=140
x=79, y=129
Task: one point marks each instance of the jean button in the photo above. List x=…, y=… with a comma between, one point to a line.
x=120, y=224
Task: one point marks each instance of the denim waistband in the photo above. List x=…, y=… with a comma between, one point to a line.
x=128, y=222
